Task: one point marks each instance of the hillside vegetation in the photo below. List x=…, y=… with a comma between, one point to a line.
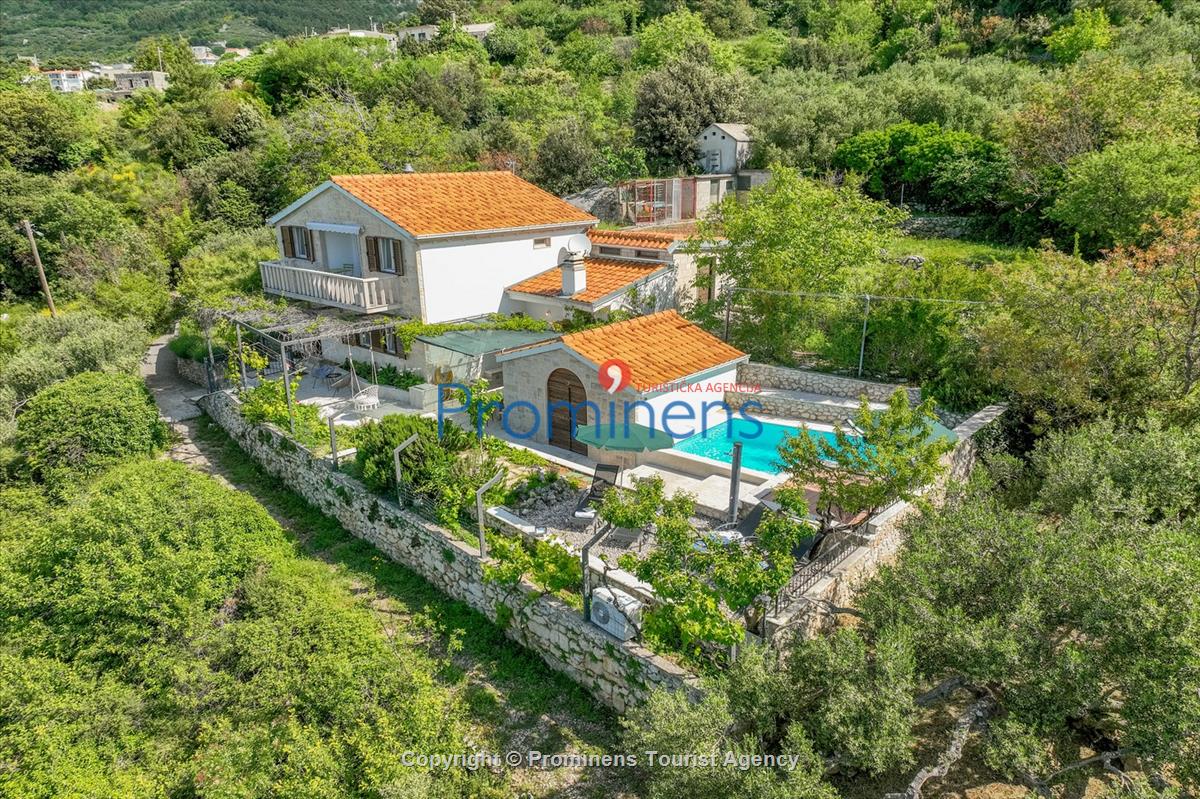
x=1054, y=597
x=66, y=30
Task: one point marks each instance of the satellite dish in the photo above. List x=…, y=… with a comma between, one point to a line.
x=579, y=244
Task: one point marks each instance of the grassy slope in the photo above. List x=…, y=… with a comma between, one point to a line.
x=515, y=700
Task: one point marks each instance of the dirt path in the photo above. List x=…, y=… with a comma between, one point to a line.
x=515, y=702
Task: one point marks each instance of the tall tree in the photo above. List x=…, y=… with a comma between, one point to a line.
x=890, y=456
x=674, y=103
x=790, y=237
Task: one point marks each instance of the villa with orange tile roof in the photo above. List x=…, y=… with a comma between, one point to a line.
x=441, y=247
x=450, y=247
x=436, y=247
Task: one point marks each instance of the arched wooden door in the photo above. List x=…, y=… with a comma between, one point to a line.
x=563, y=388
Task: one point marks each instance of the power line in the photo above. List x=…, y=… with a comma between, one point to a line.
x=835, y=295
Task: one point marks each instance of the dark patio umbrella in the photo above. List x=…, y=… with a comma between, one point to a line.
x=624, y=437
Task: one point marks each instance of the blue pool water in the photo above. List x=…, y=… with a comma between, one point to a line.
x=760, y=453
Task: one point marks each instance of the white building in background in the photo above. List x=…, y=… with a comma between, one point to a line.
x=359, y=33
x=204, y=55
x=425, y=33
x=69, y=80
x=722, y=151
x=724, y=147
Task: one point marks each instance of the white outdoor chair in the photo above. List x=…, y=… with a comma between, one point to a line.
x=366, y=399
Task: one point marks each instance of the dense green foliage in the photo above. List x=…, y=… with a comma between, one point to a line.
x=890, y=455
x=439, y=474
x=85, y=423
x=1058, y=595
x=67, y=31
x=161, y=635
x=700, y=579
x=268, y=402
x=149, y=627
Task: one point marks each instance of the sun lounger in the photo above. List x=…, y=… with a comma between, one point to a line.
x=604, y=478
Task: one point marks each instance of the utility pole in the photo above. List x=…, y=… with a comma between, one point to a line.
x=37, y=261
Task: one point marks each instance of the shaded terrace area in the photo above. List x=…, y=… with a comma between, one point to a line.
x=288, y=338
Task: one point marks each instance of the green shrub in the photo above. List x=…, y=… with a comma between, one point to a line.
x=190, y=346
x=266, y=402
x=225, y=264
x=163, y=608
x=437, y=472
x=87, y=422
x=135, y=295
x=386, y=375
x=52, y=349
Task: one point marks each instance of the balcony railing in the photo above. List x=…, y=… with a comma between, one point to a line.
x=363, y=294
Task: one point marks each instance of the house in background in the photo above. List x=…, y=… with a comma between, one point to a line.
x=389, y=39
x=724, y=147
x=69, y=80
x=204, y=55
x=126, y=83
x=427, y=33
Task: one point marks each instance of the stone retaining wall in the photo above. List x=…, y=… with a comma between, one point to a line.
x=618, y=674
x=192, y=371
x=761, y=374
x=789, y=407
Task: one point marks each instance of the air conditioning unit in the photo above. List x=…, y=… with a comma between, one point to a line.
x=616, y=612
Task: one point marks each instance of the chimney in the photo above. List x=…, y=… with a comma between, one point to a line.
x=574, y=277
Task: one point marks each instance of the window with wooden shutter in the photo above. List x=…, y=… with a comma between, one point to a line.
x=372, y=254
x=285, y=236
x=398, y=256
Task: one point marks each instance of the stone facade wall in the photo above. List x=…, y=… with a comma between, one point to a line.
x=333, y=206
x=760, y=374
x=618, y=674
x=192, y=371
x=525, y=379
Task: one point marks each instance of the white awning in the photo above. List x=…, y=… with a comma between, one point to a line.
x=333, y=227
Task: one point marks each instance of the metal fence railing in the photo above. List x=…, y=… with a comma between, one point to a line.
x=814, y=571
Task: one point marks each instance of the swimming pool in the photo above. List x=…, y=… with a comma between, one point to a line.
x=760, y=453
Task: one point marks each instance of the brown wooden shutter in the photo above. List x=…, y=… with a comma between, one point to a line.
x=308, y=244
x=372, y=254
x=398, y=256
x=285, y=234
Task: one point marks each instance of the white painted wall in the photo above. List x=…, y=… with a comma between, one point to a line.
x=732, y=154
x=715, y=385
x=466, y=276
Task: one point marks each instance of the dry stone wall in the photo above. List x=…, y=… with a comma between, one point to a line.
x=765, y=375
x=617, y=673
x=192, y=371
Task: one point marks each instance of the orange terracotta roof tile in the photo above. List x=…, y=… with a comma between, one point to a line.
x=604, y=277
x=634, y=237
x=429, y=203
x=659, y=348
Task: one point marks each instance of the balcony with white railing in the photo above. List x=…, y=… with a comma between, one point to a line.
x=287, y=278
